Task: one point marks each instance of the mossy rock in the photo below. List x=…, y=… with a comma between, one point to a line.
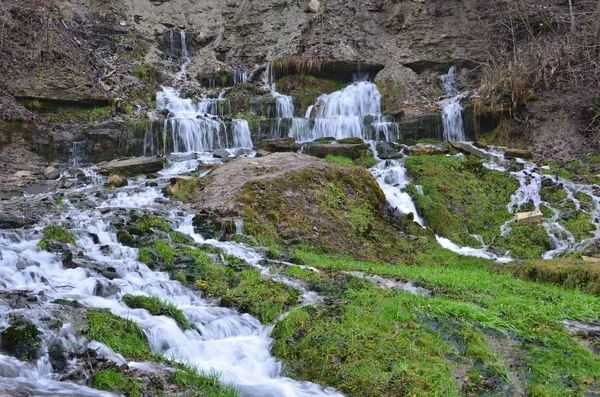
x=21, y=341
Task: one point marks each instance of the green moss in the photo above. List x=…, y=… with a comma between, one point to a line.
x=157, y=307
x=21, y=341
x=339, y=209
x=56, y=233
x=121, y=335
x=579, y=224
x=339, y=160
x=460, y=197
x=182, y=189
x=110, y=380
x=553, y=194
x=526, y=241
x=264, y=299
x=307, y=88
x=147, y=73
x=391, y=94
x=165, y=251
x=568, y=272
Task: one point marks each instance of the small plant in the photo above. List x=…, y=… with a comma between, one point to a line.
x=157, y=307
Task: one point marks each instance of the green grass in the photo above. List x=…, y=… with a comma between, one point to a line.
x=157, y=307
x=110, y=380
x=376, y=342
x=526, y=242
x=208, y=385
x=460, y=197
x=579, y=224
x=121, y=335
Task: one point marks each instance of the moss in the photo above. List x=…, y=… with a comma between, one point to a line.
x=307, y=88
x=526, y=241
x=125, y=238
x=157, y=307
x=110, y=380
x=56, y=233
x=121, y=335
x=264, y=299
x=182, y=189
x=568, y=272
x=460, y=197
x=147, y=73
x=579, y=224
x=553, y=194
x=338, y=209
x=165, y=251
x=191, y=381
x=21, y=341
x=391, y=94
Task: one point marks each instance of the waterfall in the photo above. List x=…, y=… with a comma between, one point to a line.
x=199, y=127
x=452, y=109
x=79, y=153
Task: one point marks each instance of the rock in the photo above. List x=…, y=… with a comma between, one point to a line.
x=351, y=141
x=51, y=173
x=23, y=174
x=125, y=238
x=222, y=154
x=590, y=259
x=21, y=341
x=279, y=145
x=57, y=357
x=389, y=151
x=10, y=222
x=314, y=5
x=132, y=167
x=481, y=144
x=529, y=218
x=430, y=148
x=115, y=181
x=517, y=153
x=468, y=149
x=262, y=153
x=351, y=151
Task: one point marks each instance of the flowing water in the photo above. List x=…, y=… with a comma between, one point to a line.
x=452, y=109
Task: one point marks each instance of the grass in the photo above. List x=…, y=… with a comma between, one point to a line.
x=110, y=380
x=157, y=307
x=121, y=335
x=377, y=342
x=476, y=205
x=527, y=241
x=208, y=385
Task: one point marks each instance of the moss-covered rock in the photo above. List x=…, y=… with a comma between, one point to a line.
x=460, y=197
x=293, y=198
x=21, y=340
x=157, y=307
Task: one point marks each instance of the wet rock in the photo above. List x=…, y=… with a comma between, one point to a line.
x=125, y=238
x=481, y=144
x=430, y=149
x=51, y=173
x=389, y=151
x=105, y=288
x=468, y=149
x=529, y=218
x=132, y=167
x=62, y=249
x=10, y=222
x=57, y=357
x=517, y=153
x=115, y=181
x=21, y=340
x=279, y=145
x=351, y=151
x=223, y=155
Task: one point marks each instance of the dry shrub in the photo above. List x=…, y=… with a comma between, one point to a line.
x=29, y=33
x=534, y=45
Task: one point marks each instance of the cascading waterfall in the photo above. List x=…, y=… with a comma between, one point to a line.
x=199, y=127
x=79, y=154
x=234, y=345
x=452, y=109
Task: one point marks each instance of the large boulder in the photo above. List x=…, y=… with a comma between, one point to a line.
x=468, y=149
x=518, y=154
x=132, y=167
x=292, y=197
